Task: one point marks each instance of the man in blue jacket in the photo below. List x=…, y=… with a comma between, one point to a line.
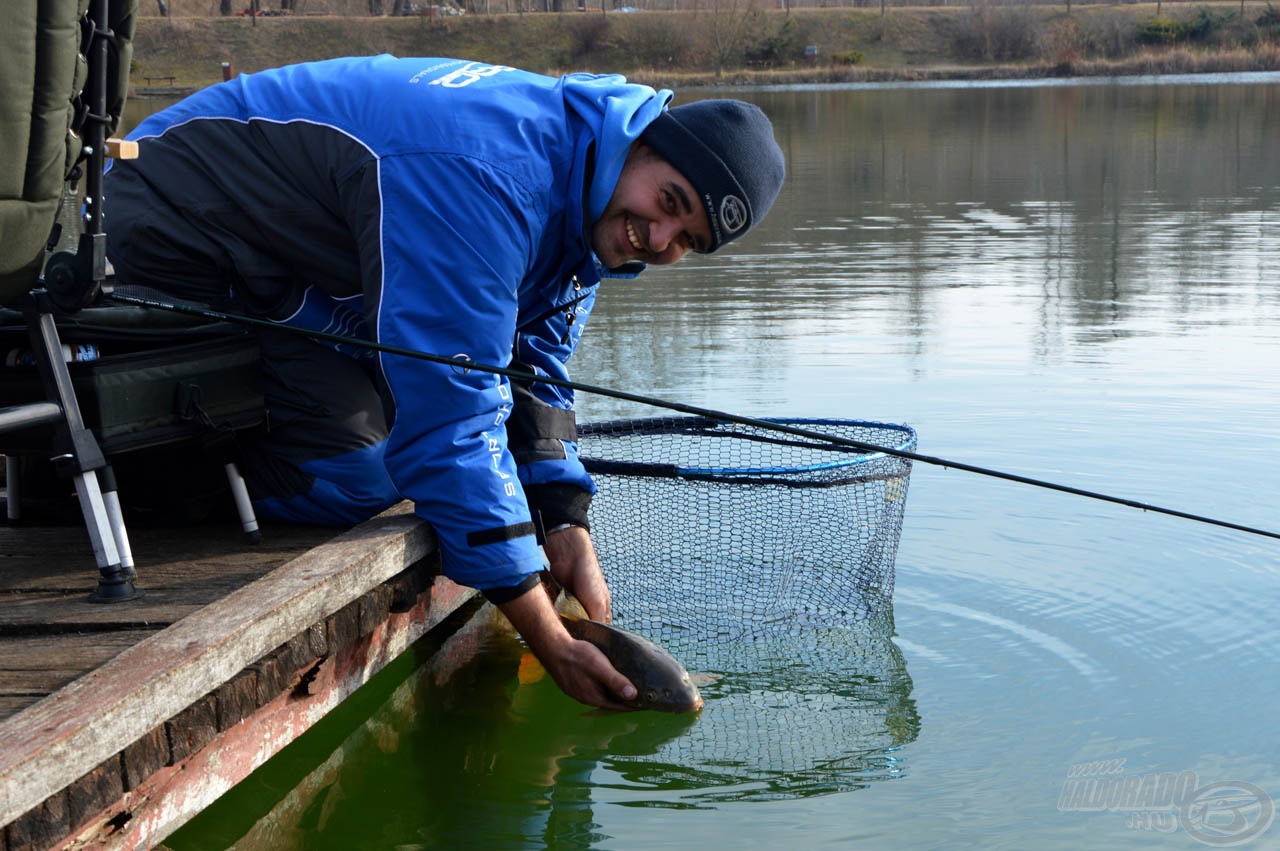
x=450, y=207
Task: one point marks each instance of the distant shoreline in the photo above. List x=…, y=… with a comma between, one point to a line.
x=807, y=46
x=926, y=76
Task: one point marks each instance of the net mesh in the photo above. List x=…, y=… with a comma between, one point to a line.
x=712, y=532
x=811, y=712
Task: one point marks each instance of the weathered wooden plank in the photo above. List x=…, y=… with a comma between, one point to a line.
x=39, y=683
x=58, y=558
x=32, y=667
x=158, y=543
x=237, y=698
x=95, y=791
x=22, y=654
x=272, y=678
x=171, y=796
x=145, y=757
x=11, y=704
x=55, y=612
x=41, y=826
x=191, y=729
x=52, y=743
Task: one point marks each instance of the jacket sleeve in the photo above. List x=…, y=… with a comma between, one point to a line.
x=543, y=429
x=456, y=237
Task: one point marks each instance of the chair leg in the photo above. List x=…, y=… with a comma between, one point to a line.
x=248, y=518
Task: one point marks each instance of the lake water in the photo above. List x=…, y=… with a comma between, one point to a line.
x=1070, y=281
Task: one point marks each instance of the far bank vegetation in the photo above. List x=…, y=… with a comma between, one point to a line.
x=720, y=41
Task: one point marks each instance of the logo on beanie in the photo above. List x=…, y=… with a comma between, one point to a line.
x=733, y=213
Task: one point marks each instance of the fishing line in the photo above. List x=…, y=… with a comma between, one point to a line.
x=520, y=375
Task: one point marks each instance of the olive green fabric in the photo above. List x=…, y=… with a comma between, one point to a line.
x=123, y=16
x=42, y=72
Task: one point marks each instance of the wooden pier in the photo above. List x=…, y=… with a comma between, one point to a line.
x=120, y=722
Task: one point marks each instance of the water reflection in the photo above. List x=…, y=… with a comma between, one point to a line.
x=468, y=752
x=812, y=712
x=1083, y=203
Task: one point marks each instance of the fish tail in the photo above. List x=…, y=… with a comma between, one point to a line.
x=530, y=670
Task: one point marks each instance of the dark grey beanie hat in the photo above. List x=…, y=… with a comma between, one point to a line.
x=726, y=149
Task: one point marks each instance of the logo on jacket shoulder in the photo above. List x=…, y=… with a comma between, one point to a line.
x=468, y=74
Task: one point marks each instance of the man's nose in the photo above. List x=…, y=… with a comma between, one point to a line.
x=662, y=233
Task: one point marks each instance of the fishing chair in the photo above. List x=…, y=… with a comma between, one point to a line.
x=80, y=382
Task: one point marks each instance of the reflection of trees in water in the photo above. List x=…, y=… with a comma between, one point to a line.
x=1116, y=187
x=1091, y=196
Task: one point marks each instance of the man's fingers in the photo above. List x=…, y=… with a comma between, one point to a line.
x=612, y=680
x=605, y=686
x=574, y=565
x=600, y=607
x=622, y=687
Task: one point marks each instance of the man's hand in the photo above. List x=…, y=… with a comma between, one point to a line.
x=578, y=667
x=575, y=566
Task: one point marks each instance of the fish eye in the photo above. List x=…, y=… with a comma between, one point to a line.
x=651, y=695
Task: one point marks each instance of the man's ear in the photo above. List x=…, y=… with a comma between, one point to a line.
x=641, y=151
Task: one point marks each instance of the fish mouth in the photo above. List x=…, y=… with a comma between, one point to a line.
x=682, y=704
x=693, y=704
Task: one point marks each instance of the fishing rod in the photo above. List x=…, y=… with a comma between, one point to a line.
x=460, y=363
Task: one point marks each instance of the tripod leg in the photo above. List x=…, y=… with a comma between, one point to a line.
x=115, y=517
x=12, y=487
x=113, y=583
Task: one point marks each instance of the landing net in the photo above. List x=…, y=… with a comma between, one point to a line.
x=711, y=532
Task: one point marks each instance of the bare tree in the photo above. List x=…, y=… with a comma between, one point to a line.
x=728, y=25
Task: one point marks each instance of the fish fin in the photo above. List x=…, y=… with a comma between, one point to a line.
x=701, y=680
x=568, y=605
x=530, y=670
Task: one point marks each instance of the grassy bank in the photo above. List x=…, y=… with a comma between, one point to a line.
x=749, y=45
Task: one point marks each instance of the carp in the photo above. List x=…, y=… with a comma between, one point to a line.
x=661, y=682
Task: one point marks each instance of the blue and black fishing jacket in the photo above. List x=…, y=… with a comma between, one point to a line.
x=433, y=204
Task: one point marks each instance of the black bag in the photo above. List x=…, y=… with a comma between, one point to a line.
x=140, y=387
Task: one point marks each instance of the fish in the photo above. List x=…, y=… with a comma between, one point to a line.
x=662, y=684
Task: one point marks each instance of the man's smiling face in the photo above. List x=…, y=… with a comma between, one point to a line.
x=654, y=216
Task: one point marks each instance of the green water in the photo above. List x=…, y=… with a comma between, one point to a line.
x=1075, y=282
